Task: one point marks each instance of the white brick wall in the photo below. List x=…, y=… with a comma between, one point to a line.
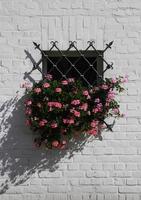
x=107, y=170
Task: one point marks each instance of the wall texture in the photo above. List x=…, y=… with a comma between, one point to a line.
x=107, y=170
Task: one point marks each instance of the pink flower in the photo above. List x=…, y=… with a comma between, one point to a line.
x=49, y=77
x=62, y=145
x=114, y=80
x=84, y=106
x=55, y=143
x=37, y=90
x=28, y=102
x=88, y=97
x=92, y=132
x=58, y=90
x=57, y=105
x=43, y=122
x=76, y=113
x=115, y=110
x=85, y=93
x=75, y=102
x=54, y=125
x=50, y=103
x=54, y=104
x=64, y=82
x=28, y=111
x=125, y=79
x=94, y=123
x=99, y=106
x=107, y=104
x=68, y=121
x=95, y=110
x=46, y=85
x=72, y=110
x=71, y=121
x=65, y=121
x=64, y=142
x=111, y=95
x=104, y=87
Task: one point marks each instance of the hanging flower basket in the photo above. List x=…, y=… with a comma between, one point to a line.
x=58, y=109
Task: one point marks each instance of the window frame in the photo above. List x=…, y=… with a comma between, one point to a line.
x=73, y=53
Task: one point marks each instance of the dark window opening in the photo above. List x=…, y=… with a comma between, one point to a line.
x=84, y=65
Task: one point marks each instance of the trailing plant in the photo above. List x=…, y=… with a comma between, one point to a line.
x=58, y=109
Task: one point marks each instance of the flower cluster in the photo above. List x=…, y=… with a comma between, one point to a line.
x=57, y=109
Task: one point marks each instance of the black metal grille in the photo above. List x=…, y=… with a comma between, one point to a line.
x=86, y=65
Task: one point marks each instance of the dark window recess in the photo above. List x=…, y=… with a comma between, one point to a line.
x=86, y=66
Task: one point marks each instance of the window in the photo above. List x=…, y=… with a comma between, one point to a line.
x=84, y=65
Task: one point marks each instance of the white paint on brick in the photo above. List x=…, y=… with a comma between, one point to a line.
x=103, y=170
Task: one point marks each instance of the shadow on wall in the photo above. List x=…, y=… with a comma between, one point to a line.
x=18, y=158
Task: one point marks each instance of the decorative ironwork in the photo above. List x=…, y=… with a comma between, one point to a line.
x=47, y=56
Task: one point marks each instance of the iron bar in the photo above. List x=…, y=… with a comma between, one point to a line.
x=63, y=55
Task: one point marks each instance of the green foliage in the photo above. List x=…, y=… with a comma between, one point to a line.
x=56, y=109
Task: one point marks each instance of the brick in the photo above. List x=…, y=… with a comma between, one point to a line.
x=130, y=189
x=85, y=166
x=103, y=170
x=75, y=196
x=45, y=174
x=74, y=174
x=107, y=189
x=85, y=181
x=131, y=166
x=36, y=189
x=96, y=174
x=89, y=196
x=74, y=181
x=103, y=151
x=87, y=151
x=121, y=196
x=133, y=197
x=84, y=158
x=59, y=189
x=73, y=166
x=108, y=166
x=96, y=181
x=108, y=181
x=84, y=188
x=59, y=196
x=97, y=166
x=77, y=4
x=131, y=181
x=111, y=197
x=100, y=197
x=119, y=166
x=50, y=181
x=121, y=174
x=125, y=151
x=120, y=181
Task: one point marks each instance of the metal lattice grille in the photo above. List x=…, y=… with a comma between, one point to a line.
x=86, y=65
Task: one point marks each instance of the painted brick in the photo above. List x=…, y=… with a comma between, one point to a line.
x=103, y=170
